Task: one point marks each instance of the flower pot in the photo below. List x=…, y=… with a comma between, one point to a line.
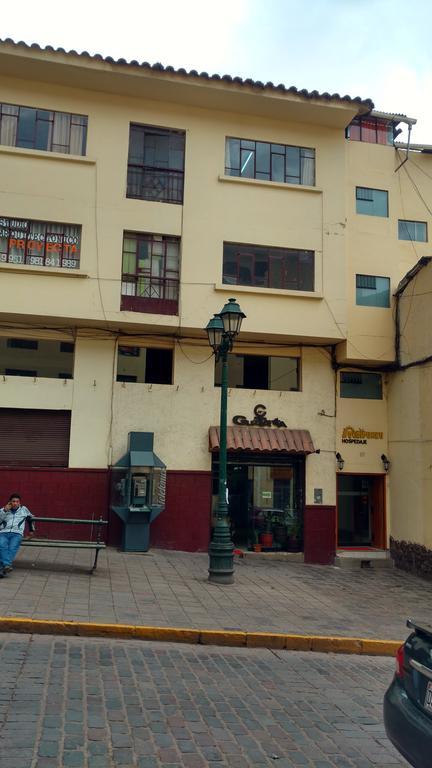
x=266, y=540
x=257, y=547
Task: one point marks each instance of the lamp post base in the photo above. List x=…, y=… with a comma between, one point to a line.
x=221, y=577
x=221, y=561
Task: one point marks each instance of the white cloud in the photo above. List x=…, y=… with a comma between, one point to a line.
x=407, y=91
x=192, y=33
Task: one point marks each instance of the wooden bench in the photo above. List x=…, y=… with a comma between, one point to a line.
x=97, y=545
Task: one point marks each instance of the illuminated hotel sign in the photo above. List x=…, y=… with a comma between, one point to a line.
x=360, y=436
x=39, y=243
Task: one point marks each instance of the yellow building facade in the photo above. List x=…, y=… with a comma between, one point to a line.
x=134, y=201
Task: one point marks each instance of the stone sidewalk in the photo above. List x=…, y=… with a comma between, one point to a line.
x=166, y=588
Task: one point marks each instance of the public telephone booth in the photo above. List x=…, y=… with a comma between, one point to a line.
x=138, y=490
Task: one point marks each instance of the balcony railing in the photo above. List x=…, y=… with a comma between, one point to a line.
x=154, y=295
x=159, y=184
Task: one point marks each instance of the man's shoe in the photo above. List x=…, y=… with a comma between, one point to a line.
x=7, y=569
x=2, y=573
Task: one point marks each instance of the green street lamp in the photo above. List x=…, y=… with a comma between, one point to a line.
x=221, y=331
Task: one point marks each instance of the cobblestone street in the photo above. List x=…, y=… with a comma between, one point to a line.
x=72, y=703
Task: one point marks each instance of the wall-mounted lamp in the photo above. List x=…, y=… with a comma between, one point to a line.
x=386, y=462
x=340, y=462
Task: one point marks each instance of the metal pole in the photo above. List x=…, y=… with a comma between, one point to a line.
x=221, y=549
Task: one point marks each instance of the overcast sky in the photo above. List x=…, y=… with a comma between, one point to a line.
x=379, y=49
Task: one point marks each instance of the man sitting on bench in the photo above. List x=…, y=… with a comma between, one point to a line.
x=13, y=518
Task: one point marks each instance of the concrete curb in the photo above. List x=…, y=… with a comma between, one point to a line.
x=318, y=643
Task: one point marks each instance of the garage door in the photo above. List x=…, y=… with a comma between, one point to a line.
x=34, y=438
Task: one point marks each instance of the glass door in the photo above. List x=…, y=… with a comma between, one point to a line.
x=355, y=524
x=265, y=502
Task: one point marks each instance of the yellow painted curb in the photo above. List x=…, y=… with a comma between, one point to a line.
x=220, y=637
x=265, y=640
x=236, y=639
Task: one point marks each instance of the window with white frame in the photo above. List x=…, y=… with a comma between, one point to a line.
x=372, y=202
x=372, y=291
x=412, y=230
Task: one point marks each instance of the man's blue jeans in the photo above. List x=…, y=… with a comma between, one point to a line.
x=9, y=546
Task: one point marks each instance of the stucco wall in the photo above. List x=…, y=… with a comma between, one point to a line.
x=181, y=414
x=373, y=246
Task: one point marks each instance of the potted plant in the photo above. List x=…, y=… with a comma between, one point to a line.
x=256, y=546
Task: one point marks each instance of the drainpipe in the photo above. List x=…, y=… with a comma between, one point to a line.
x=397, y=334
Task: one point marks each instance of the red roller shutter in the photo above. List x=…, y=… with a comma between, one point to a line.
x=33, y=438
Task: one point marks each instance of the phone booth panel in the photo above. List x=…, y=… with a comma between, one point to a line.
x=138, y=491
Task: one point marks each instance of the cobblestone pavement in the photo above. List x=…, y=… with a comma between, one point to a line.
x=164, y=588
x=74, y=703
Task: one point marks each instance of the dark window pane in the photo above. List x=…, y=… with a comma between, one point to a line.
x=20, y=372
x=255, y=372
x=372, y=202
x=366, y=386
x=277, y=271
x=372, y=291
x=42, y=134
x=278, y=168
x=158, y=366
x=22, y=344
x=412, y=230
x=129, y=351
x=155, y=164
x=261, y=372
x=245, y=269
x=26, y=127
x=261, y=270
x=232, y=156
x=268, y=267
x=262, y=157
x=292, y=163
x=67, y=346
x=136, y=145
x=307, y=271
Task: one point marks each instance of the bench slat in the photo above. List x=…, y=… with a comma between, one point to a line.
x=63, y=544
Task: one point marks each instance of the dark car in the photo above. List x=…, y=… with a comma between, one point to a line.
x=408, y=701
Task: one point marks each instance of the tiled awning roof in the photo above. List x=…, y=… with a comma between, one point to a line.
x=263, y=439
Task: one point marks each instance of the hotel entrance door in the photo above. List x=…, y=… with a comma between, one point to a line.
x=361, y=511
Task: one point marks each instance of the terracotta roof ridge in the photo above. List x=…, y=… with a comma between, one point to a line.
x=193, y=73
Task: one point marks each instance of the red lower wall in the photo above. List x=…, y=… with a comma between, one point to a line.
x=185, y=523
x=84, y=493
x=50, y=492
x=320, y=535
